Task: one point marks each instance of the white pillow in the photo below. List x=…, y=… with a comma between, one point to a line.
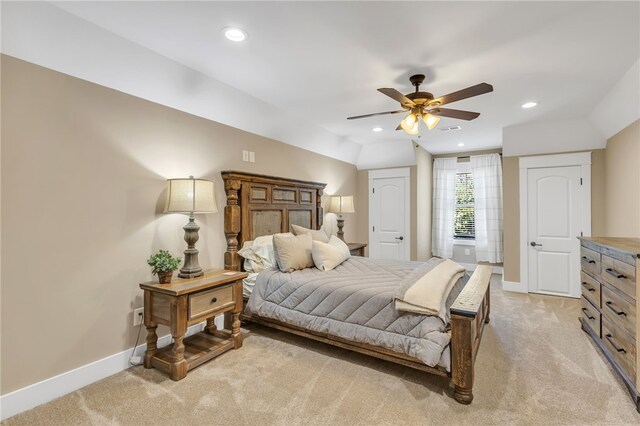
x=258, y=254
x=293, y=252
x=318, y=235
x=327, y=256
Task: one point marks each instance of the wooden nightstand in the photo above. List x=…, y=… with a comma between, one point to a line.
x=185, y=302
x=357, y=249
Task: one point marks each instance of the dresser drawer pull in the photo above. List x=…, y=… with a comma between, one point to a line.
x=587, y=260
x=586, y=312
x=615, y=273
x=608, y=303
x=585, y=285
x=609, y=338
x=214, y=300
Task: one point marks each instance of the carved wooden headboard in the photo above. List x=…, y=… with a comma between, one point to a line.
x=263, y=205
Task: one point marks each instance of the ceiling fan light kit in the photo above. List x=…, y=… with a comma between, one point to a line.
x=430, y=120
x=424, y=105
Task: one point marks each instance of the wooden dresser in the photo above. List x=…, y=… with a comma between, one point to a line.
x=610, y=278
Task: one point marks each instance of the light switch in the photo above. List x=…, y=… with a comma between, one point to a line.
x=245, y=155
x=252, y=157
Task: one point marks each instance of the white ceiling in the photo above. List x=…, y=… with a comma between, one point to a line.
x=326, y=60
x=308, y=65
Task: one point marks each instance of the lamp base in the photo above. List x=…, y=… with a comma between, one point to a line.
x=340, y=231
x=191, y=268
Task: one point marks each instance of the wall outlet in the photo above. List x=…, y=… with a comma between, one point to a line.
x=138, y=316
x=245, y=155
x=252, y=157
x=467, y=252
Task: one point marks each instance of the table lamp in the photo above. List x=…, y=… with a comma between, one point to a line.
x=192, y=196
x=341, y=204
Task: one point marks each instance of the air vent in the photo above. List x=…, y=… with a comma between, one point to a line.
x=448, y=129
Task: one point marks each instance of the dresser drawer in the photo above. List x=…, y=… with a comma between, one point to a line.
x=209, y=301
x=591, y=316
x=590, y=260
x=619, y=275
x=620, y=309
x=590, y=288
x=621, y=345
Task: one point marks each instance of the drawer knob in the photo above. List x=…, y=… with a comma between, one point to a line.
x=586, y=312
x=609, y=338
x=615, y=273
x=214, y=300
x=610, y=306
x=586, y=259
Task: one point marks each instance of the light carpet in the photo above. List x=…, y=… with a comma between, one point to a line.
x=535, y=366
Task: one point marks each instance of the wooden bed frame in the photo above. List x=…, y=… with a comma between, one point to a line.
x=263, y=205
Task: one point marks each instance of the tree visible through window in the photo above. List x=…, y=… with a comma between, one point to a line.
x=464, y=224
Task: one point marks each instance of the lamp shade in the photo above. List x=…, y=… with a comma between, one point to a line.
x=341, y=204
x=190, y=195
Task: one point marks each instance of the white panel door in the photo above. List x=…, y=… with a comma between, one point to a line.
x=389, y=227
x=554, y=222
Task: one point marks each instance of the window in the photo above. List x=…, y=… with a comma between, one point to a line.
x=464, y=227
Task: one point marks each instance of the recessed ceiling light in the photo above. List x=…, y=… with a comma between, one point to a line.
x=234, y=33
x=460, y=144
x=529, y=105
x=377, y=129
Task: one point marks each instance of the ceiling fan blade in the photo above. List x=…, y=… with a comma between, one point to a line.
x=454, y=113
x=377, y=113
x=469, y=92
x=394, y=94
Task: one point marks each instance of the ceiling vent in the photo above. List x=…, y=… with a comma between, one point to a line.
x=448, y=129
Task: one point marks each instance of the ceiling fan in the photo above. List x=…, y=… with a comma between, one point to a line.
x=424, y=105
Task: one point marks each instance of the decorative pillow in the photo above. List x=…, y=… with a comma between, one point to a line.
x=293, y=252
x=319, y=235
x=327, y=256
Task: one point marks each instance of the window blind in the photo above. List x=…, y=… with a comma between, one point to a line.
x=464, y=227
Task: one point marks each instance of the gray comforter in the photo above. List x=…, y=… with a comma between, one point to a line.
x=355, y=301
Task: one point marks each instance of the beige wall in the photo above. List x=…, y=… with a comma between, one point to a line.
x=511, y=204
x=598, y=192
x=424, y=196
x=83, y=172
x=511, y=218
x=622, y=185
x=362, y=205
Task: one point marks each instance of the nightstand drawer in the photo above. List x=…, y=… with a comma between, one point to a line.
x=210, y=301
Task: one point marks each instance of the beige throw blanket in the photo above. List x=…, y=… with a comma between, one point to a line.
x=428, y=294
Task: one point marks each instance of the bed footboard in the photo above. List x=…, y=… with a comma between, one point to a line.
x=469, y=314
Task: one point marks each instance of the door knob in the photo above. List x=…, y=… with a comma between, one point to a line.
x=533, y=244
x=400, y=238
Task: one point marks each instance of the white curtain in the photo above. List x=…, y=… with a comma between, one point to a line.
x=444, y=205
x=486, y=171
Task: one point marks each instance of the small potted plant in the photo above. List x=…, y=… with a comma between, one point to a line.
x=163, y=265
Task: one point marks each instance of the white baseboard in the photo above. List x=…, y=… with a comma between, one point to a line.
x=513, y=286
x=39, y=393
x=472, y=267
